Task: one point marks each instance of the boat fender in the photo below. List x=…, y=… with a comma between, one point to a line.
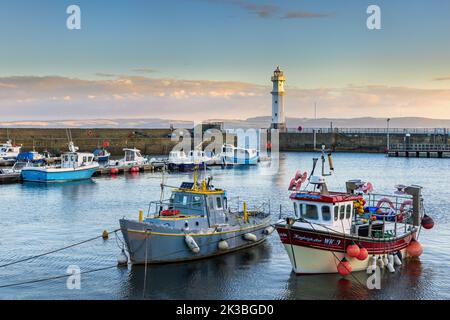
x=122, y=259
x=397, y=259
x=380, y=262
x=268, y=231
x=190, y=242
x=223, y=245
x=373, y=266
x=105, y=235
x=250, y=237
x=385, y=260
x=414, y=249
x=390, y=265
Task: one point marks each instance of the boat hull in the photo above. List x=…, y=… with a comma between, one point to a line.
x=241, y=161
x=185, y=167
x=102, y=159
x=57, y=175
x=163, y=247
x=7, y=161
x=312, y=252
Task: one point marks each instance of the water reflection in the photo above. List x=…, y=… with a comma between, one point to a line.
x=204, y=279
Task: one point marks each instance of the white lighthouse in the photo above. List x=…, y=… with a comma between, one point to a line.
x=278, y=115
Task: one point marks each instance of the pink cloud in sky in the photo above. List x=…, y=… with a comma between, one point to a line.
x=56, y=98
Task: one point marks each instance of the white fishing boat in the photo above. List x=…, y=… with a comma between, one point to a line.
x=200, y=157
x=132, y=158
x=9, y=153
x=232, y=155
x=179, y=161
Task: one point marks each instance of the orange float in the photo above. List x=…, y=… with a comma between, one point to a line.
x=353, y=250
x=414, y=249
x=344, y=268
x=363, y=254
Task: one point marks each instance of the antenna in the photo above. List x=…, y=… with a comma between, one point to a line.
x=162, y=185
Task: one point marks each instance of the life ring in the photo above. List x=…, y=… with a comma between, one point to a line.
x=105, y=143
x=385, y=200
x=170, y=212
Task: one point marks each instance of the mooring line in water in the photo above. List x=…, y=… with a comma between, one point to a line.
x=53, y=278
x=56, y=250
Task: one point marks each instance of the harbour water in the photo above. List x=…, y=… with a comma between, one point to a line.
x=36, y=218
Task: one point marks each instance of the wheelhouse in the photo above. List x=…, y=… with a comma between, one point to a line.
x=335, y=210
x=132, y=154
x=75, y=159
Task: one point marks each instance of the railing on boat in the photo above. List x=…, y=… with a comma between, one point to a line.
x=401, y=212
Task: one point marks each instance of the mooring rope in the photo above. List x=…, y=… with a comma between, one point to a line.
x=56, y=250
x=53, y=278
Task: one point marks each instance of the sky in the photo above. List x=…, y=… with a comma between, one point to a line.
x=213, y=59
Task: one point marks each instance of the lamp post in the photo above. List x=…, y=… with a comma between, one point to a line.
x=388, y=143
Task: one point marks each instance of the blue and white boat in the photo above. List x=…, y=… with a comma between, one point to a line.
x=179, y=161
x=74, y=166
x=31, y=156
x=232, y=155
x=102, y=155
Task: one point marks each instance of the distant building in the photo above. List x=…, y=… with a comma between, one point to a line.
x=278, y=115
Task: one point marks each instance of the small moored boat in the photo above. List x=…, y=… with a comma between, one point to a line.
x=132, y=158
x=74, y=166
x=235, y=156
x=9, y=153
x=196, y=222
x=101, y=155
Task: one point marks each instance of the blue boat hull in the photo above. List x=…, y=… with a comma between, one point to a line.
x=32, y=175
x=240, y=161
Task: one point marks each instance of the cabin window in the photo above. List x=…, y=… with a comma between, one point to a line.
x=348, y=212
x=66, y=158
x=218, y=203
x=84, y=159
x=309, y=211
x=185, y=200
x=196, y=202
x=326, y=213
x=341, y=212
x=296, y=209
x=336, y=213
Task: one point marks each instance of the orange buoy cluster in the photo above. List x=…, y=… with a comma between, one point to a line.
x=114, y=171
x=344, y=268
x=414, y=249
x=134, y=169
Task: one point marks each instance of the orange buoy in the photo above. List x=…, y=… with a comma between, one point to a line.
x=344, y=268
x=363, y=254
x=353, y=250
x=114, y=171
x=134, y=169
x=414, y=249
x=427, y=222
